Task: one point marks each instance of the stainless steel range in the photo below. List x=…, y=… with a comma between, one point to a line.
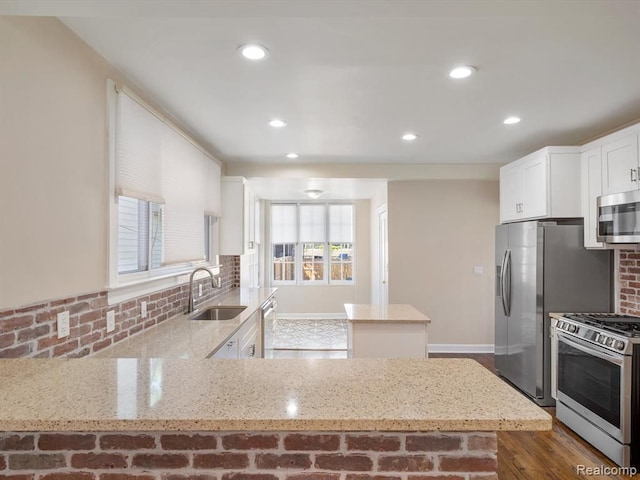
x=599, y=382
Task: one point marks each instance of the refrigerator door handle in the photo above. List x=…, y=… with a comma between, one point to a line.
x=506, y=283
x=502, y=291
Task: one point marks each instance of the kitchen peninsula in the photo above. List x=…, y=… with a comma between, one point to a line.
x=270, y=419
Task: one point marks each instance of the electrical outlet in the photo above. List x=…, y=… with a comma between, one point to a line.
x=111, y=321
x=63, y=324
x=200, y=290
x=143, y=309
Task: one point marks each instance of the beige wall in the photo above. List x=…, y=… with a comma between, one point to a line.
x=53, y=162
x=331, y=298
x=438, y=231
x=53, y=184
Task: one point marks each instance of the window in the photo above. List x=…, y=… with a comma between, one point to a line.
x=166, y=195
x=139, y=235
x=312, y=243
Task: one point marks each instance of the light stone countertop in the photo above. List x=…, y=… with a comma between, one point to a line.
x=179, y=337
x=394, y=312
x=127, y=394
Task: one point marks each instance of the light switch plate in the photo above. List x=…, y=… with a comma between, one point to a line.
x=143, y=309
x=478, y=270
x=63, y=324
x=111, y=321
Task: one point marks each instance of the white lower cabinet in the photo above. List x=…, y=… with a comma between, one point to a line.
x=250, y=338
x=246, y=342
x=228, y=350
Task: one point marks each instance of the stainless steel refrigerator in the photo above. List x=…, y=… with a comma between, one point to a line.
x=542, y=267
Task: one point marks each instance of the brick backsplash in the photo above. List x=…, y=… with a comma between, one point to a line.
x=629, y=281
x=249, y=455
x=31, y=331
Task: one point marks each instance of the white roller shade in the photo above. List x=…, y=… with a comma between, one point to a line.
x=183, y=188
x=138, y=151
x=312, y=223
x=211, y=187
x=283, y=224
x=341, y=223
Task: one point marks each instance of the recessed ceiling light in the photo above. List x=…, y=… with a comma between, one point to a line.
x=511, y=120
x=254, y=52
x=313, y=193
x=462, y=72
x=292, y=155
x=409, y=136
x=276, y=123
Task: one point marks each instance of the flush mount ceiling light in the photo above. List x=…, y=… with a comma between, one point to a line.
x=292, y=155
x=511, y=120
x=253, y=52
x=313, y=193
x=409, y=137
x=276, y=123
x=462, y=72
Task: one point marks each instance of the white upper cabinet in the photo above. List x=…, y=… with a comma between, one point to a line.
x=544, y=184
x=238, y=226
x=620, y=165
x=591, y=173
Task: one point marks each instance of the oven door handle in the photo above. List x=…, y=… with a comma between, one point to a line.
x=591, y=349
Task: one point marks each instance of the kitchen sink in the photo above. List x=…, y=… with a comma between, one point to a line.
x=218, y=313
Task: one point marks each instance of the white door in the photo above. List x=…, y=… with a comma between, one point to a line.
x=383, y=265
x=620, y=165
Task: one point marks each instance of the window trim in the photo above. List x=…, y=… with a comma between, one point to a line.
x=299, y=281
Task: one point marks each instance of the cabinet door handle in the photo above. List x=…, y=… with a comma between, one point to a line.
x=252, y=350
x=633, y=174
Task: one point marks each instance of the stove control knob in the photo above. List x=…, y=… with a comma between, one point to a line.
x=560, y=325
x=572, y=329
x=610, y=342
x=619, y=345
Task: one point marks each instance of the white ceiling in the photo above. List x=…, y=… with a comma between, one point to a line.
x=332, y=188
x=351, y=76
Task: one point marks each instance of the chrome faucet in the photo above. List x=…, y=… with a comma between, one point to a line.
x=215, y=283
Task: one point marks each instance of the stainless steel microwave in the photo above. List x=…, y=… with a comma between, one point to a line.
x=619, y=217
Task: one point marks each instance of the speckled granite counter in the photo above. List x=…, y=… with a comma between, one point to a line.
x=394, y=312
x=165, y=394
x=180, y=337
x=306, y=419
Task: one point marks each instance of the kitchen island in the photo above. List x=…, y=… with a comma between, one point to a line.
x=268, y=419
x=387, y=331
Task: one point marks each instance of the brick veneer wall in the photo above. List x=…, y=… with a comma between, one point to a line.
x=629, y=281
x=248, y=456
x=31, y=331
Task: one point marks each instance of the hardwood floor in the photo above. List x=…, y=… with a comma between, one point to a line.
x=552, y=455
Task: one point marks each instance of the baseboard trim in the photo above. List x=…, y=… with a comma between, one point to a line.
x=459, y=348
x=312, y=316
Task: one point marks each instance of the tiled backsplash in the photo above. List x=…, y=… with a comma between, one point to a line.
x=31, y=331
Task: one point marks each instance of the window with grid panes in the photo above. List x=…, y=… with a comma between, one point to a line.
x=312, y=243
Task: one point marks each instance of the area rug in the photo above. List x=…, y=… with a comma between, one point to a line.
x=306, y=334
